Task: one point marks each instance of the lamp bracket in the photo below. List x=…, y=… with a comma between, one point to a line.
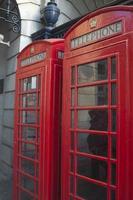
x=10, y=17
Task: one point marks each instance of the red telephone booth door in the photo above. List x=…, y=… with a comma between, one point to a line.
x=96, y=139
x=37, y=121
x=28, y=143
x=94, y=132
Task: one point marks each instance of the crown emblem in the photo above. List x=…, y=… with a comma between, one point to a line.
x=93, y=23
x=32, y=50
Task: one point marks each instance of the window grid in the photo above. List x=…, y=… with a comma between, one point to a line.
x=109, y=159
x=28, y=141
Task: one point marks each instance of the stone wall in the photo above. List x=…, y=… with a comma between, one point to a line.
x=30, y=22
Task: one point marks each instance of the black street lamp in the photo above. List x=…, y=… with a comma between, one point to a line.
x=50, y=15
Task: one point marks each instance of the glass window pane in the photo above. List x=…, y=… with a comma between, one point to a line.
x=29, y=133
x=93, y=119
x=71, y=198
x=30, y=100
x=29, y=150
x=29, y=117
x=27, y=183
x=93, y=144
x=113, y=67
x=39, y=82
x=114, y=120
x=92, y=96
x=92, y=168
x=113, y=195
x=72, y=119
x=30, y=83
x=113, y=174
x=72, y=141
x=90, y=191
x=113, y=94
x=72, y=97
x=28, y=167
x=71, y=184
x=25, y=196
x=72, y=162
x=92, y=71
x=73, y=76
x=113, y=141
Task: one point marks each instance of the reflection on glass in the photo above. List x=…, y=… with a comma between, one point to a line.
x=93, y=119
x=28, y=167
x=30, y=83
x=72, y=162
x=113, y=94
x=25, y=196
x=30, y=100
x=93, y=144
x=93, y=95
x=27, y=183
x=72, y=119
x=72, y=96
x=113, y=195
x=71, y=198
x=73, y=75
x=113, y=67
x=37, y=188
x=113, y=174
x=39, y=82
x=114, y=120
x=92, y=71
x=90, y=191
x=29, y=117
x=92, y=168
x=113, y=141
x=71, y=184
x=29, y=150
x=72, y=141
x=29, y=133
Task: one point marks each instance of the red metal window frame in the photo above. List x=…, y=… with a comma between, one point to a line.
x=105, y=53
x=41, y=59
x=20, y=158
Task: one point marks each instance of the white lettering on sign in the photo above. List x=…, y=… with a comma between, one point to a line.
x=33, y=59
x=99, y=34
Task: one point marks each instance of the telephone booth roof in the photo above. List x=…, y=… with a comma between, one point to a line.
x=41, y=43
x=39, y=48
x=97, y=13
x=100, y=20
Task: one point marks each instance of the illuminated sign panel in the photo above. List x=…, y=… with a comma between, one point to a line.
x=36, y=58
x=103, y=33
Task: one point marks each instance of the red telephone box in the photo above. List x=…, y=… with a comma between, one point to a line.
x=97, y=136
x=37, y=121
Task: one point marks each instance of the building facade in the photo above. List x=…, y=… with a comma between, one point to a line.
x=32, y=27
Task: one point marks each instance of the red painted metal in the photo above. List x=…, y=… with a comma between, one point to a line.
x=37, y=125
x=101, y=69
